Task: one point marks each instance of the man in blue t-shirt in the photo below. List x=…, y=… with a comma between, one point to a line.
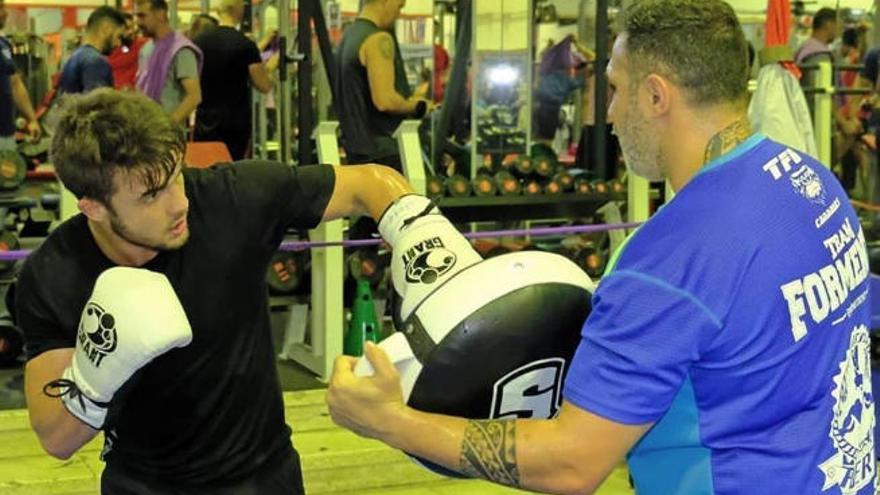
x=871, y=63
x=88, y=68
x=13, y=94
x=727, y=351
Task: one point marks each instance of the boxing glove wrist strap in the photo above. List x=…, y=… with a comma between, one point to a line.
x=403, y=212
x=88, y=411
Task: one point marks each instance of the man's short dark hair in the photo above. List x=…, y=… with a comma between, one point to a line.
x=824, y=16
x=154, y=4
x=106, y=131
x=104, y=14
x=697, y=44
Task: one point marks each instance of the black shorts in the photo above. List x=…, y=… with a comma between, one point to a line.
x=546, y=120
x=278, y=478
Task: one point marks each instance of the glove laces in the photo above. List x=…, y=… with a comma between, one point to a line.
x=70, y=389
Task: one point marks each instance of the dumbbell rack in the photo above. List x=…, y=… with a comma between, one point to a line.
x=506, y=208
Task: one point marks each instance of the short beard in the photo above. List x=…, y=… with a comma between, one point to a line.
x=640, y=153
x=126, y=234
x=643, y=163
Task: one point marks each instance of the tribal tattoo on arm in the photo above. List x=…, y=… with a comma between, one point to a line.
x=488, y=451
x=727, y=139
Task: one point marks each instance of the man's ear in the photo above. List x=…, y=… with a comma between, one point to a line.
x=93, y=209
x=660, y=94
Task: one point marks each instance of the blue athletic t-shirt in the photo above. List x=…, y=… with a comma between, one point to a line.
x=7, y=70
x=86, y=70
x=736, y=319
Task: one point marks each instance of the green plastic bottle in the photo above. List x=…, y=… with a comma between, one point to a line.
x=364, y=325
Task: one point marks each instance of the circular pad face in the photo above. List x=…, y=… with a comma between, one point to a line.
x=496, y=340
x=507, y=359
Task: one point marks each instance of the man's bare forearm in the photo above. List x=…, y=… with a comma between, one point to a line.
x=22, y=100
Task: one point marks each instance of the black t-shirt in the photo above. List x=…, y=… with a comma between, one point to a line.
x=366, y=129
x=212, y=411
x=226, y=57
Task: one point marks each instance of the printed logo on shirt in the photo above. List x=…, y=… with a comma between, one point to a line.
x=782, y=163
x=852, y=427
x=97, y=333
x=840, y=239
x=530, y=391
x=109, y=440
x=817, y=295
x=828, y=213
x=807, y=183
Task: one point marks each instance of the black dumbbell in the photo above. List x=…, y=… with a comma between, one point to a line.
x=484, y=185
x=507, y=184
x=287, y=271
x=457, y=186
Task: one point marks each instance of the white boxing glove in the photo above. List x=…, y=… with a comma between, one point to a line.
x=132, y=316
x=427, y=250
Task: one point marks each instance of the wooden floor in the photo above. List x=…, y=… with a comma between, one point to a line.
x=334, y=461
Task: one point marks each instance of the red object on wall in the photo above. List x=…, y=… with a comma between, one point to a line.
x=68, y=17
x=778, y=27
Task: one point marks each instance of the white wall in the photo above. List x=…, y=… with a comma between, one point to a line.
x=503, y=25
x=57, y=3
x=412, y=7
x=569, y=8
x=754, y=5
x=46, y=20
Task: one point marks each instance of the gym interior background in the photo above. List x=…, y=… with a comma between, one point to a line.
x=505, y=149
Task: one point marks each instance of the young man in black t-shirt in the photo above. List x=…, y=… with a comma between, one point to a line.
x=173, y=358
x=231, y=64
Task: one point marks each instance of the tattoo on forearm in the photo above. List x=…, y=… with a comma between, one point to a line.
x=489, y=451
x=386, y=47
x=727, y=139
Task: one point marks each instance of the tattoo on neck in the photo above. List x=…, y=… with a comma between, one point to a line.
x=488, y=451
x=727, y=139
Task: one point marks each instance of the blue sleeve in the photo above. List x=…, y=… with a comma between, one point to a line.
x=7, y=64
x=96, y=73
x=637, y=347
